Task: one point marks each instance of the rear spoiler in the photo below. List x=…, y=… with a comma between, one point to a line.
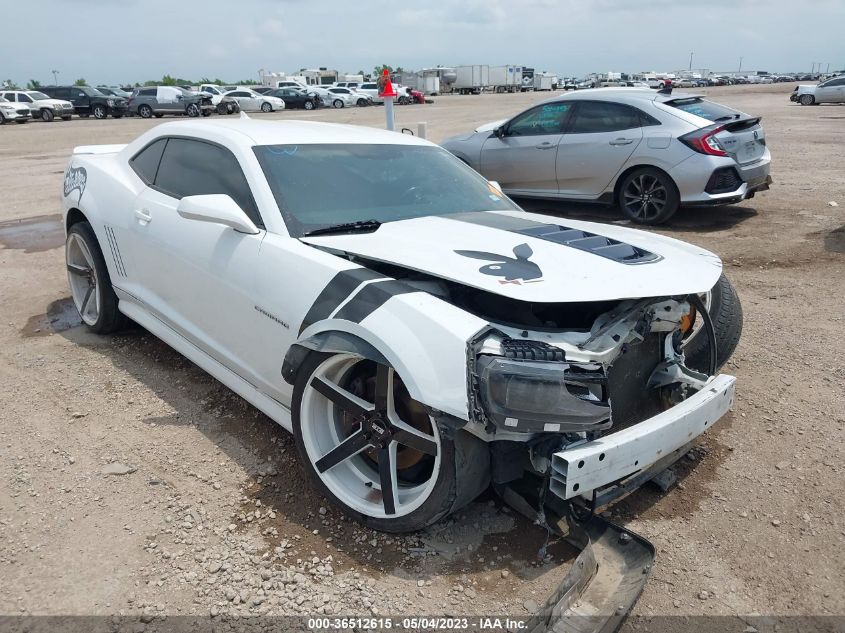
x=97, y=149
x=737, y=125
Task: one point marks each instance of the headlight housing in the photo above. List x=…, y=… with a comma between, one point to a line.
x=110, y=103
x=537, y=396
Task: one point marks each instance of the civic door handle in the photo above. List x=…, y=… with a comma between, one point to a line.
x=622, y=141
x=546, y=145
x=143, y=215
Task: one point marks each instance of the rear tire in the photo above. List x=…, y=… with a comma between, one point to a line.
x=47, y=115
x=145, y=111
x=726, y=314
x=648, y=196
x=429, y=487
x=89, y=280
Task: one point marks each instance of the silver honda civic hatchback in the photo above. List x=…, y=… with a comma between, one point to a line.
x=647, y=152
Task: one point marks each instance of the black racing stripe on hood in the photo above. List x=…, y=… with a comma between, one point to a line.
x=371, y=298
x=342, y=285
x=600, y=245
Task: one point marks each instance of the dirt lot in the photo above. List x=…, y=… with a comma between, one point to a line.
x=215, y=516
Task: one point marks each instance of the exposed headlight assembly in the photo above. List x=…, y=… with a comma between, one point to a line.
x=536, y=396
x=110, y=103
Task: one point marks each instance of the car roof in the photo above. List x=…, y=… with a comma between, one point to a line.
x=622, y=94
x=251, y=132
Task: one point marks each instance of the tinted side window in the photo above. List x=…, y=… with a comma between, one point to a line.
x=600, y=116
x=145, y=163
x=544, y=119
x=148, y=92
x=61, y=93
x=193, y=168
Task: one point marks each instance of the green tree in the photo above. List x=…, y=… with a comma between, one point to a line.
x=80, y=82
x=167, y=80
x=8, y=84
x=33, y=84
x=247, y=82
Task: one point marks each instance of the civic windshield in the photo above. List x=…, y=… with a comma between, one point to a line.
x=319, y=186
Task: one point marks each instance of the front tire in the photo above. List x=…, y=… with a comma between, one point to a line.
x=266, y=107
x=337, y=103
x=100, y=111
x=89, y=280
x=648, y=196
x=806, y=99
x=725, y=311
x=192, y=110
x=374, y=451
x=47, y=115
x=308, y=105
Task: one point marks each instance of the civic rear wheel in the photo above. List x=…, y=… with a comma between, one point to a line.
x=90, y=284
x=375, y=451
x=648, y=196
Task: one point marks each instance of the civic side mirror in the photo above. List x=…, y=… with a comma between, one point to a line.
x=217, y=209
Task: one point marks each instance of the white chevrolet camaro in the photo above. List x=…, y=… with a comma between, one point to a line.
x=420, y=334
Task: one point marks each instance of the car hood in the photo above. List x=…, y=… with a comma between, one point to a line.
x=489, y=127
x=536, y=258
x=805, y=88
x=61, y=102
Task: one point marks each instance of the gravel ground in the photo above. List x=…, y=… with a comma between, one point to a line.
x=133, y=483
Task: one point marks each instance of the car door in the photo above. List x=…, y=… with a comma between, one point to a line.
x=599, y=139
x=832, y=91
x=522, y=159
x=198, y=277
x=81, y=102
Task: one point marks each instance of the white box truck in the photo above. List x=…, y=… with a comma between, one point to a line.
x=544, y=81
x=506, y=78
x=471, y=80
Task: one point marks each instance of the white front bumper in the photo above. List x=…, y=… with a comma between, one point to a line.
x=579, y=469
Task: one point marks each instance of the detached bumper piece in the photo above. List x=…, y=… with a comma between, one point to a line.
x=603, y=584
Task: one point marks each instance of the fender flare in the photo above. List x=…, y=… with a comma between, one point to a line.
x=332, y=341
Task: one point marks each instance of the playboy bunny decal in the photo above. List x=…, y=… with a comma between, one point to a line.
x=515, y=270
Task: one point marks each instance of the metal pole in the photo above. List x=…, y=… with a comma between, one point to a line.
x=740, y=65
x=388, y=114
x=690, y=61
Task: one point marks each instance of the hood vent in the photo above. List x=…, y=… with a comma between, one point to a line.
x=592, y=243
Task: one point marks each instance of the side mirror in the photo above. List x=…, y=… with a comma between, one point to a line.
x=218, y=209
x=494, y=184
x=499, y=131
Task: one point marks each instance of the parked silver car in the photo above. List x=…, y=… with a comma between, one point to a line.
x=647, y=152
x=830, y=91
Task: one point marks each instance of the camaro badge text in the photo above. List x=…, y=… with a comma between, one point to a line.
x=274, y=318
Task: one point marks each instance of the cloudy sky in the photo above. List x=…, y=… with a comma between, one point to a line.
x=123, y=41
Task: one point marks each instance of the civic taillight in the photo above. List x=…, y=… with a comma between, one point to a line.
x=704, y=141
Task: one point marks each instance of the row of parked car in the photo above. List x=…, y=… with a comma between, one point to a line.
x=51, y=102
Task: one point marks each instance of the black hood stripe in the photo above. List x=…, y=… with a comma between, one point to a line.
x=600, y=245
x=370, y=298
x=338, y=290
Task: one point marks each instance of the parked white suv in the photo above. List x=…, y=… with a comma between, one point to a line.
x=16, y=112
x=40, y=105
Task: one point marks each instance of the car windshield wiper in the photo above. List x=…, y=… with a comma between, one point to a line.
x=361, y=226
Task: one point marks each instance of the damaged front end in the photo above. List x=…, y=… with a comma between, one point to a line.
x=579, y=418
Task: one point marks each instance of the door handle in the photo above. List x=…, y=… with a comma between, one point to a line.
x=622, y=141
x=546, y=145
x=143, y=215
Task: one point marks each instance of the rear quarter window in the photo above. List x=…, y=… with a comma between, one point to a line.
x=145, y=163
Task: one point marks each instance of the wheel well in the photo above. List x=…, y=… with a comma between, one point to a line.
x=625, y=173
x=330, y=341
x=74, y=216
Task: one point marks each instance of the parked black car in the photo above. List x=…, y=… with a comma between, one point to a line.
x=87, y=101
x=294, y=98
